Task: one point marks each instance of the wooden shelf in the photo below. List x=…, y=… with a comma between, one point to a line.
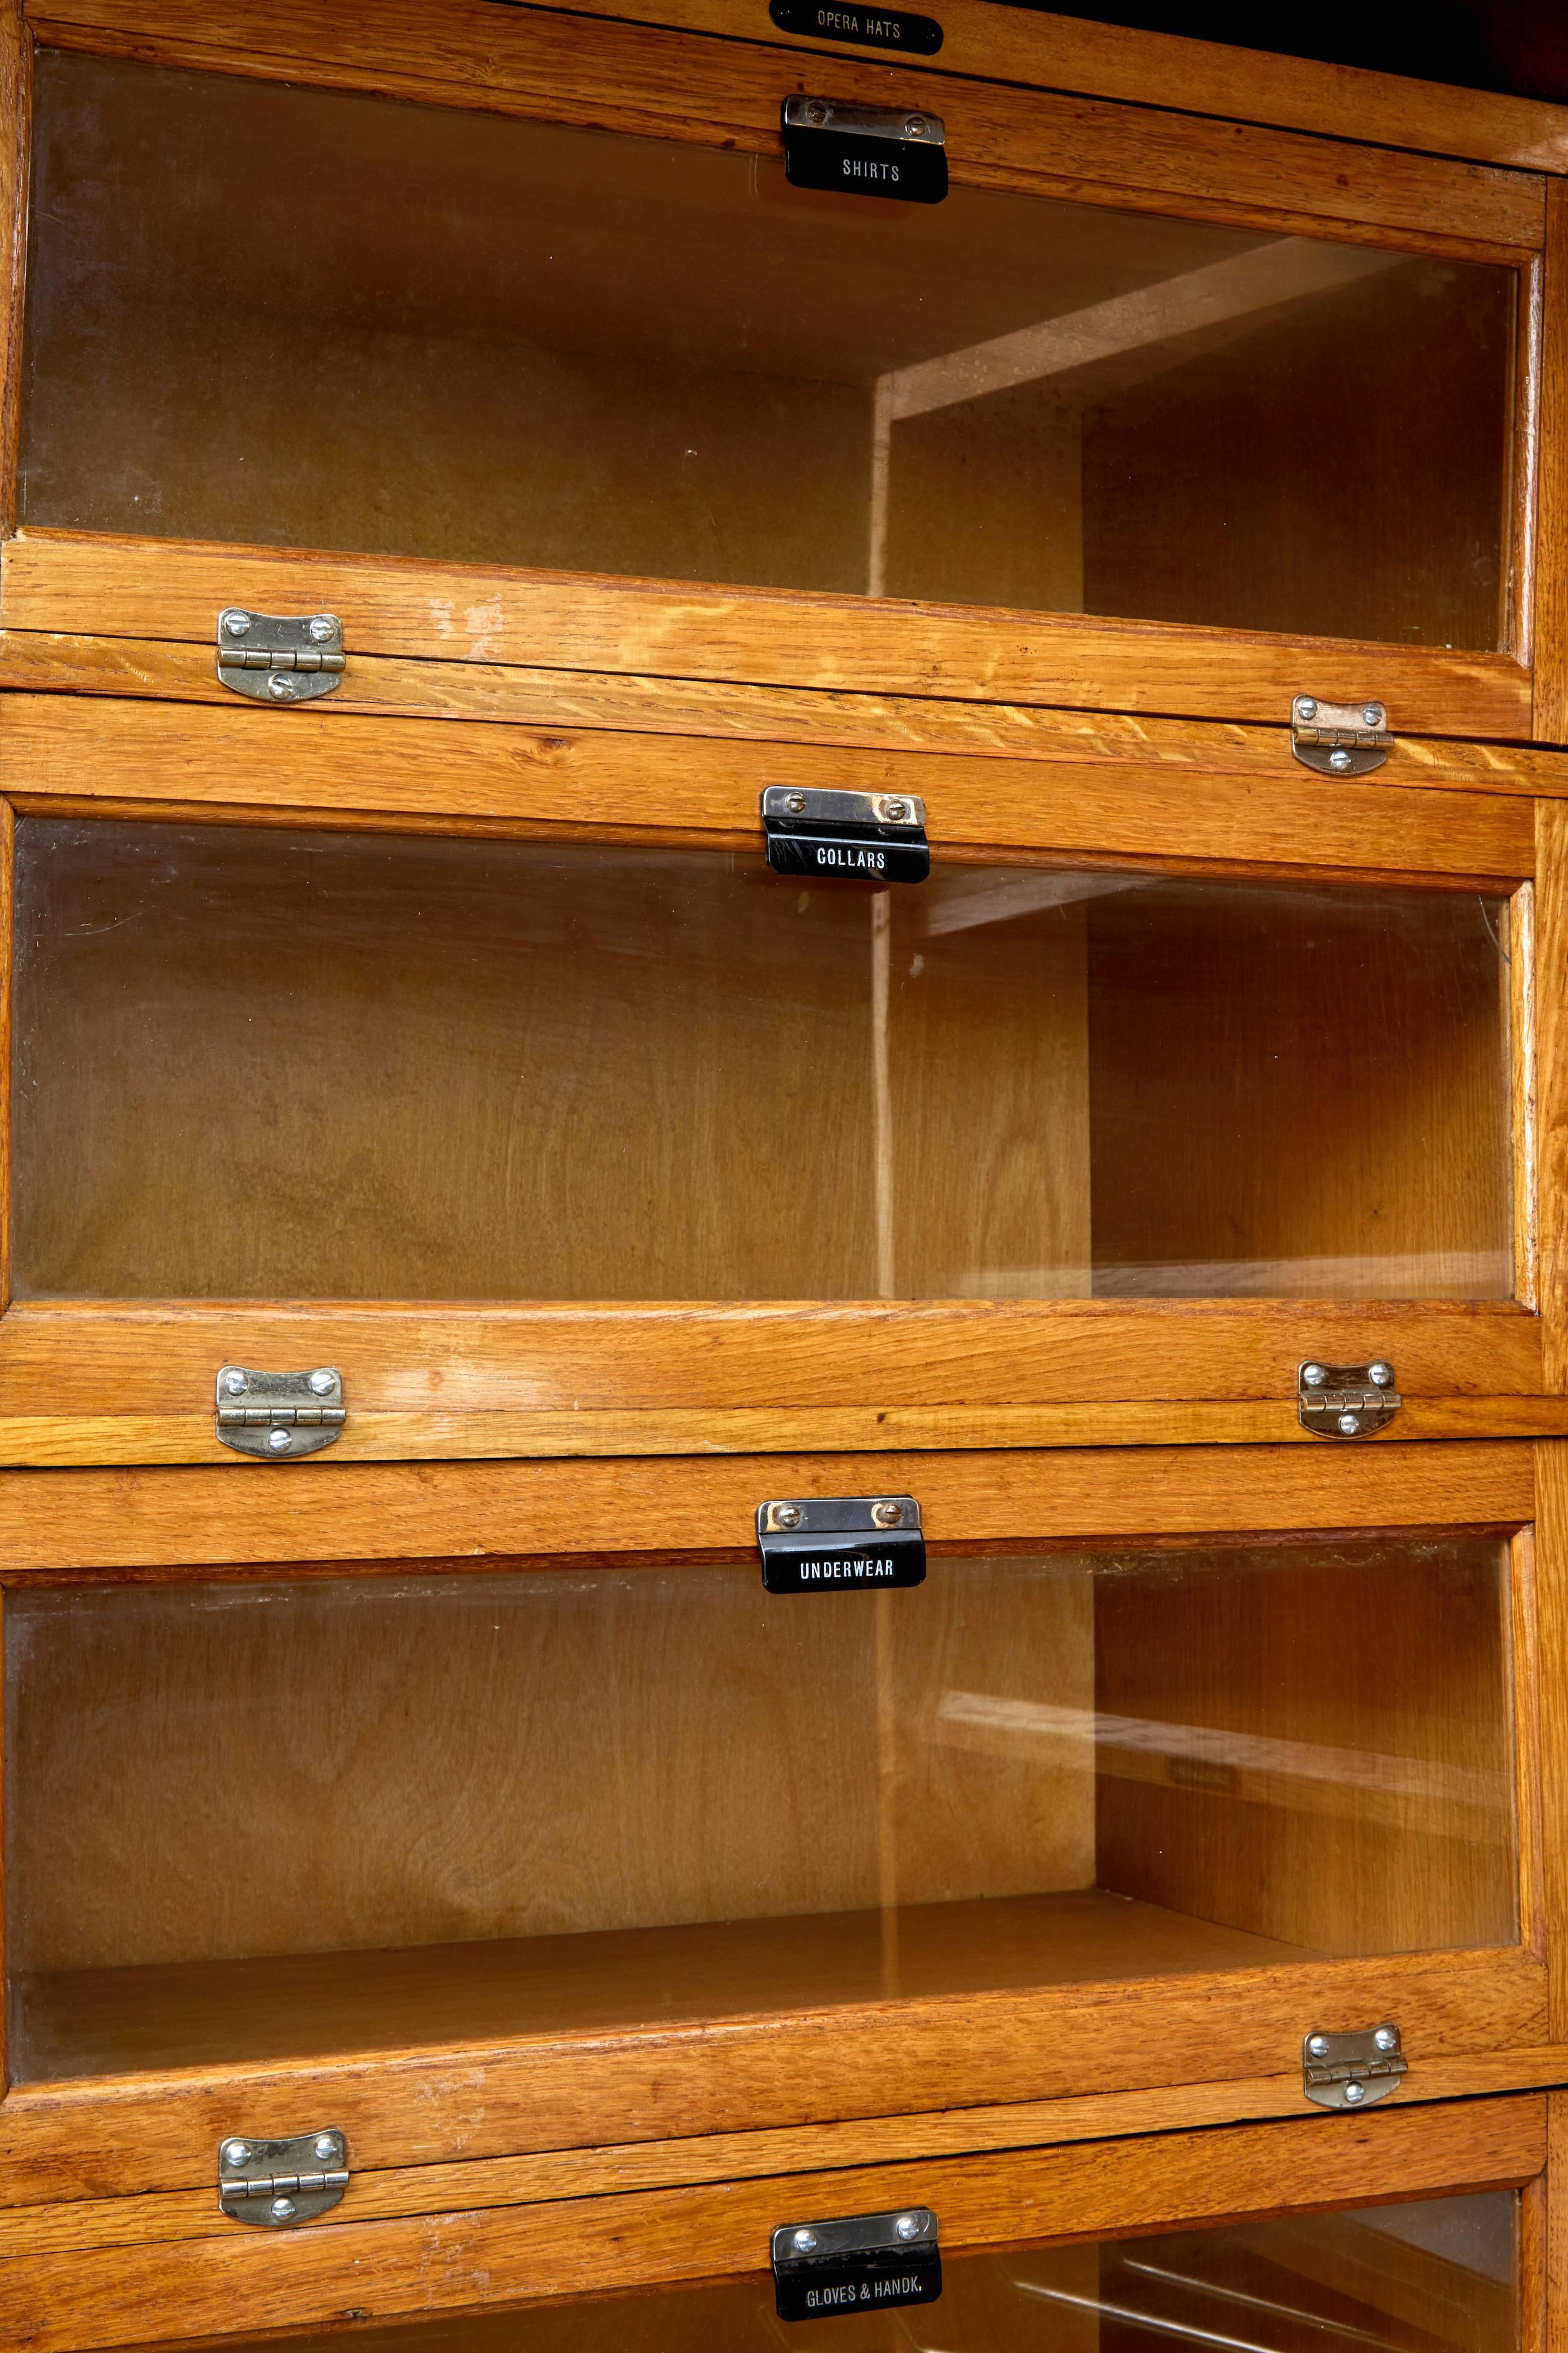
x=200, y=2014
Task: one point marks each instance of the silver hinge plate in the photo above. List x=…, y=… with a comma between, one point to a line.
x=276, y=1415
x=1346, y=1400
x=1340, y=739
x=1352, y=2070
x=276, y=658
x=277, y=2183
x=859, y=2262
x=841, y=1544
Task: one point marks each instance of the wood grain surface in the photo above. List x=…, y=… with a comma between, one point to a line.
x=1161, y=69
x=95, y=754
x=117, y=2296
x=36, y=661
x=97, y=585
x=1550, y=925
x=557, y=1379
x=159, y=2216
x=163, y=1518
x=1550, y=625
x=1552, y=1604
x=62, y=1440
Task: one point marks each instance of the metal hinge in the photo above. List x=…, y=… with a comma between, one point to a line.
x=277, y=659
x=852, y=837
x=275, y=2183
x=837, y=1543
x=859, y=2262
x=864, y=151
x=276, y=1415
x=1340, y=739
x=1346, y=1400
x=1352, y=2070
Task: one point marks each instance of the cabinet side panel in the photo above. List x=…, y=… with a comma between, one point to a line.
x=1550, y=636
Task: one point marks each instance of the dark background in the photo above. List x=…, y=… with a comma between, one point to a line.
x=1508, y=45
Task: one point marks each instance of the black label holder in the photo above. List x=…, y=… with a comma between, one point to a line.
x=856, y=2262
x=864, y=151
x=841, y=1544
x=869, y=28
x=846, y=836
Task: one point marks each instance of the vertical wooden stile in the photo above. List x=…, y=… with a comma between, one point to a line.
x=1552, y=1684
x=15, y=106
x=1551, y=1126
x=1521, y=478
x=1551, y=2260
x=1520, y=981
x=1535, y=2311
x=1549, y=636
x=7, y=909
x=1526, y=1656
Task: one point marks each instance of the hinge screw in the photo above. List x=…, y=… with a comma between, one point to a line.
x=1386, y=2038
x=1314, y=1376
x=236, y=2153
x=326, y=2146
x=887, y=1516
x=321, y=630
x=280, y=686
x=1318, y=2044
x=795, y=804
x=321, y=1382
x=1373, y=714
x=236, y=624
x=1381, y=1374
x=279, y=1440
x=1305, y=707
x=233, y=1384
x=1349, y=1425
x=907, y=2227
x=787, y=1515
x=915, y=126
x=1354, y=2095
x=895, y=811
x=804, y=2242
x=1340, y=760
x=282, y=2208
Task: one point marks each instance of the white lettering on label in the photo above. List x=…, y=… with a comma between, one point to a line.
x=824, y=2299
x=874, y=860
x=857, y=1565
x=873, y=28
x=854, y=169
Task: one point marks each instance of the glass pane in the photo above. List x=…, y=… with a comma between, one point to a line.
x=529, y=1802
x=1441, y=2276
x=513, y=343
x=470, y=1056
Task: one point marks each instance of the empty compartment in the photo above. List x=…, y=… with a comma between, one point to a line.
x=520, y=342
x=1437, y=2275
x=293, y=1064
x=270, y=1820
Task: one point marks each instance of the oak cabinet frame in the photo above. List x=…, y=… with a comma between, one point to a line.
x=171, y=2270
x=623, y=712
x=99, y=1380
x=691, y=87
x=1072, y=2060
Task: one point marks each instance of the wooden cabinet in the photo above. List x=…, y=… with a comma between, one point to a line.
x=457, y=474
x=592, y=1839
x=452, y=1031
x=1435, y=2227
